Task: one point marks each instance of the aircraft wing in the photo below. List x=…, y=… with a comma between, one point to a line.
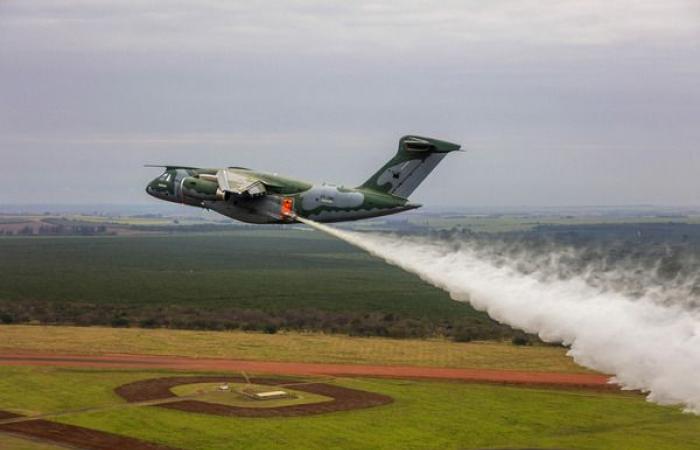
x=240, y=183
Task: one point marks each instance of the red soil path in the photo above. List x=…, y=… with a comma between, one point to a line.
x=553, y=379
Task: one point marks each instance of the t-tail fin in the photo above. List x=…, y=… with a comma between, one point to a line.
x=416, y=158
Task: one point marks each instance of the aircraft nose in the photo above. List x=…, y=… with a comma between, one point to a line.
x=150, y=190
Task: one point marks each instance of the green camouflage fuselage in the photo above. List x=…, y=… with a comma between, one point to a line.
x=259, y=197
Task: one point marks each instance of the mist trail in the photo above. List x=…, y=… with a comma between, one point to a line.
x=644, y=343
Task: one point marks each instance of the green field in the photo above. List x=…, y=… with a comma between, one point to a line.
x=292, y=277
x=425, y=415
x=268, y=278
x=267, y=270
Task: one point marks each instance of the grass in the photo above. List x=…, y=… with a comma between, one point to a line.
x=209, y=392
x=425, y=415
x=9, y=442
x=306, y=347
x=36, y=390
x=269, y=270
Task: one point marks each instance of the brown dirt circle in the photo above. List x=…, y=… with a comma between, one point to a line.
x=74, y=436
x=344, y=399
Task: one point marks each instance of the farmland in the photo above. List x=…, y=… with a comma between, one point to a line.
x=252, y=280
x=526, y=222
x=279, y=278
x=266, y=270
x=422, y=414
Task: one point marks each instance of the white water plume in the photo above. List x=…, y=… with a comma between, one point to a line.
x=642, y=340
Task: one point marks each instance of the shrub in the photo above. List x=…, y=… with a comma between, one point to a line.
x=119, y=322
x=463, y=335
x=270, y=328
x=6, y=318
x=250, y=326
x=520, y=340
x=148, y=323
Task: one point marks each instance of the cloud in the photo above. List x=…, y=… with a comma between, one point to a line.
x=534, y=89
x=311, y=27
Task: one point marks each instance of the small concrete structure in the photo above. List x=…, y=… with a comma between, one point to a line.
x=272, y=394
x=265, y=395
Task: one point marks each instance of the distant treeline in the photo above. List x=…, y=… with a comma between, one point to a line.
x=193, y=228
x=186, y=317
x=58, y=230
x=68, y=228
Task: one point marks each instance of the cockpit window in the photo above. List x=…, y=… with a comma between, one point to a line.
x=165, y=177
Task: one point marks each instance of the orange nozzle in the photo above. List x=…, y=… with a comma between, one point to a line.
x=287, y=207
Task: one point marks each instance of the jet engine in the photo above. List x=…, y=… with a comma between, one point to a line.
x=194, y=188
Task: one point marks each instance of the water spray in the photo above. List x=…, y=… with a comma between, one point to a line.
x=643, y=343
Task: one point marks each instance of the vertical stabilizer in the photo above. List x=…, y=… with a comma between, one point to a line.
x=416, y=158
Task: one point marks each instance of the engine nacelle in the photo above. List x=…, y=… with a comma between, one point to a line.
x=199, y=189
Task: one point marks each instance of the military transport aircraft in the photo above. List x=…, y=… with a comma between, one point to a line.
x=258, y=197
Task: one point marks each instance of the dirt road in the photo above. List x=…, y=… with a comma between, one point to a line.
x=568, y=380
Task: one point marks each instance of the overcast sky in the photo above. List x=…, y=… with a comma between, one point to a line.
x=558, y=103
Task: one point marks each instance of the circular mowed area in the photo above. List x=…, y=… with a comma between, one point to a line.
x=248, y=394
x=206, y=395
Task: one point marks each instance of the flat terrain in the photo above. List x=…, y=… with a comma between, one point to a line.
x=271, y=279
x=253, y=280
x=247, y=269
x=292, y=347
x=430, y=393
x=498, y=223
x=423, y=415
x=211, y=393
x=550, y=379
